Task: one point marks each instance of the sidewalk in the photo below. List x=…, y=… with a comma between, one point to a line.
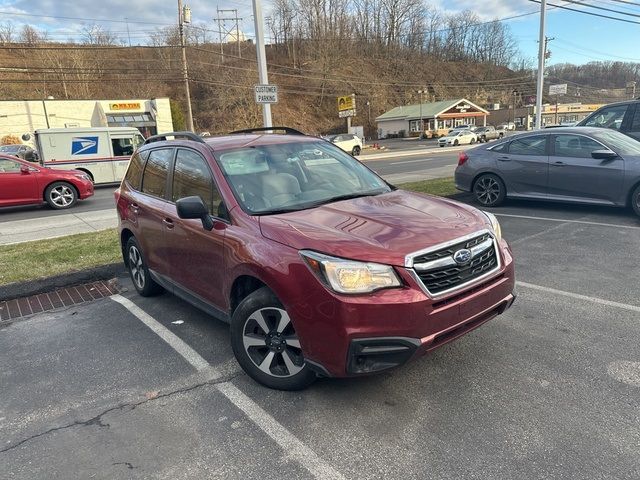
x=56, y=226
x=386, y=154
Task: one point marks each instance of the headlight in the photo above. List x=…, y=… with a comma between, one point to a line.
x=350, y=276
x=495, y=225
x=83, y=176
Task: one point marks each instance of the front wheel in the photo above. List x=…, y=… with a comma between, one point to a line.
x=266, y=345
x=355, y=151
x=456, y=143
x=60, y=195
x=489, y=190
x=635, y=200
x=473, y=140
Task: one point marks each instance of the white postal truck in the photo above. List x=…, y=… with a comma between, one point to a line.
x=103, y=153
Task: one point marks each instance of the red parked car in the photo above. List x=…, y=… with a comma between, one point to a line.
x=319, y=265
x=23, y=183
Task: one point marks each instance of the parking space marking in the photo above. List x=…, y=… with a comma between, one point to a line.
x=601, y=301
x=548, y=219
x=292, y=446
x=175, y=342
x=287, y=441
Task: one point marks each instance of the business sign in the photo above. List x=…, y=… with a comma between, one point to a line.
x=266, y=93
x=347, y=102
x=560, y=89
x=84, y=145
x=124, y=106
x=463, y=108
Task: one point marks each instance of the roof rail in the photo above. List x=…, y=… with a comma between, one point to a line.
x=176, y=135
x=286, y=130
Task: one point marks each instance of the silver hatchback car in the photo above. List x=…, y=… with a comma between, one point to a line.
x=578, y=165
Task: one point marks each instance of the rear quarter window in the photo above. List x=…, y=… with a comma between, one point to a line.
x=134, y=173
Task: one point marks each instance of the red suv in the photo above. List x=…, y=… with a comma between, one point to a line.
x=318, y=264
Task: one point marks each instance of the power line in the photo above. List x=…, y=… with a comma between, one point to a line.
x=584, y=4
x=589, y=13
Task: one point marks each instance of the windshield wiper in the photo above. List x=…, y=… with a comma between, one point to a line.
x=306, y=206
x=349, y=196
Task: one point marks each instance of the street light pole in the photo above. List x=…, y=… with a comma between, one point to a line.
x=185, y=74
x=421, y=121
x=515, y=93
x=542, y=47
x=262, y=57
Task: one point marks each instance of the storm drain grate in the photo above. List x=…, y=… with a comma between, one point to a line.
x=64, y=297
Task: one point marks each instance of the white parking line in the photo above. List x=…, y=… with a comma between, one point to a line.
x=175, y=342
x=600, y=301
x=293, y=447
x=547, y=219
x=289, y=443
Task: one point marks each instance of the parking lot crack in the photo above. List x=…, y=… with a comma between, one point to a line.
x=97, y=420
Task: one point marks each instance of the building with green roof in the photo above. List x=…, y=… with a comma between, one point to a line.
x=437, y=118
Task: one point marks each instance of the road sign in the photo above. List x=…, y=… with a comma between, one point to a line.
x=560, y=89
x=266, y=93
x=348, y=102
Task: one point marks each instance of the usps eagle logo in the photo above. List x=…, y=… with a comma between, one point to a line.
x=84, y=145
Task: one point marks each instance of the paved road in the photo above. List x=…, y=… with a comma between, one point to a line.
x=551, y=389
x=19, y=224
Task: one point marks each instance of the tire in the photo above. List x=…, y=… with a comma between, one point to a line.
x=635, y=200
x=483, y=139
x=473, y=140
x=137, y=266
x=355, y=151
x=265, y=343
x=61, y=195
x=489, y=190
x=441, y=145
x=456, y=143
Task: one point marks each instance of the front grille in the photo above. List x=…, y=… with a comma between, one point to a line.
x=442, y=278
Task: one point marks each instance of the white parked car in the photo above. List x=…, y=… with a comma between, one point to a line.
x=348, y=142
x=458, y=137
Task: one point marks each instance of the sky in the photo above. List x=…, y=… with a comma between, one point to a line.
x=579, y=38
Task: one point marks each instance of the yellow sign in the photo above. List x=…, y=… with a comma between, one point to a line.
x=124, y=106
x=346, y=103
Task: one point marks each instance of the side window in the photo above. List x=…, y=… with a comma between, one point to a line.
x=575, y=146
x=536, y=145
x=154, y=179
x=134, y=172
x=502, y=148
x=608, y=117
x=9, y=166
x=191, y=176
x=635, y=124
x=122, y=146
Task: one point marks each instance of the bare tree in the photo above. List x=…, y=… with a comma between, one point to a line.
x=7, y=31
x=95, y=34
x=32, y=36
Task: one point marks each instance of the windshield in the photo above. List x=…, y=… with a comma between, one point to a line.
x=288, y=177
x=10, y=148
x=619, y=142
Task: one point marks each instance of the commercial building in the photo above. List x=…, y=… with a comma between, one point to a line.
x=566, y=113
x=151, y=116
x=436, y=117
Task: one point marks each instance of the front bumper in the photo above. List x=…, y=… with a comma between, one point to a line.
x=85, y=190
x=351, y=335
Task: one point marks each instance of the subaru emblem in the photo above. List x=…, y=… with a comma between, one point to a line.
x=462, y=256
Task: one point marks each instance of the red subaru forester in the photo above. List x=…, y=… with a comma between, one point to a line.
x=318, y=264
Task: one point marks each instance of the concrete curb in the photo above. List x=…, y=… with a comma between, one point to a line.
x=410, y=153
x=42, y=285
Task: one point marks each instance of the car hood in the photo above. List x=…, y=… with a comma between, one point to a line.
x=383, y=228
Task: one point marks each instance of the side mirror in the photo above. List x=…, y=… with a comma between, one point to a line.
x=30, y=156
x=25, y=170
x=194, y=207
x=604, y=154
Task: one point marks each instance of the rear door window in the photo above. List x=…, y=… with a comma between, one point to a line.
x=535, y=145
x=154, y=179
x=635, y=123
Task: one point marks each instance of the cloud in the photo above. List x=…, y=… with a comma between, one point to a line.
x=487, y=9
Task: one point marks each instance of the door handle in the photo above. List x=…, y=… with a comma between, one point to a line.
x=504, y=159
x=168, y=222
x=559, y=164
x=134, y=207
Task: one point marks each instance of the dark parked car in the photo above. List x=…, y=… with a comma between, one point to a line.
x=22, y=183
x=621, y=116
x=578, y=165
x=25, y=152
x=319, y=265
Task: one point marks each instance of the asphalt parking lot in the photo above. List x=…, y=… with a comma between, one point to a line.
x=550, y=389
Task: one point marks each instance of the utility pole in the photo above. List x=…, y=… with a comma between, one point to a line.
x=184, y=16
x=541, y=54
x=262, y=57
x=421, y=92
x=128, y=34
x=224, y=32
x=515, y=94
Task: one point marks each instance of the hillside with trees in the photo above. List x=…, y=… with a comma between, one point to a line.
x=383, y=51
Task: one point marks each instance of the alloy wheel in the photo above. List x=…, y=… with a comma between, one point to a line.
x=487, y=190
x=136, y=266
x=271, y=342
x=62, y=196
